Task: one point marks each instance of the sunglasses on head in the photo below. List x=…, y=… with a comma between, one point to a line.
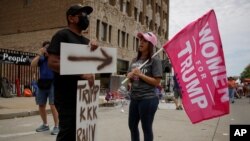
x=149, y=34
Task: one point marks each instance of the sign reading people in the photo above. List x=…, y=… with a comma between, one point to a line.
x=16, y=57
x=78, y=59
x=197, y=57
x=87, y=111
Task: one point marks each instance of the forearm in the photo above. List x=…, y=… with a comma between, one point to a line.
x=129, y=85
x=35, y=61
x=54, y=63
x=54, y=66
x=150, y=80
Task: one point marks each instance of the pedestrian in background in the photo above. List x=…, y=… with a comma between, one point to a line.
x=158, y=91
x=177, y=94
x=66, y=85
x=45, y=89
x=231, y=88
x=144, y=101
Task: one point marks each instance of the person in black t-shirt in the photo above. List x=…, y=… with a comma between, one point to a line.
x=66, y=85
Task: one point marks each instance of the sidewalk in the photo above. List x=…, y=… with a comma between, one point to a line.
x=17, y=107
x=22, y=107
x=169, y=124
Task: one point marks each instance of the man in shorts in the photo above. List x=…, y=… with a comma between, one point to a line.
x=45, y=89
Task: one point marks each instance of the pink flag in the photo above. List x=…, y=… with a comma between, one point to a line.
x=197, y=57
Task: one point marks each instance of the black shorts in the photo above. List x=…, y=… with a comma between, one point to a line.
x=177, y=93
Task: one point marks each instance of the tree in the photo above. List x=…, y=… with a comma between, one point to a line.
x=246, y=72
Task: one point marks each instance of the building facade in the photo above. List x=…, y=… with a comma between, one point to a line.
x=25, y=24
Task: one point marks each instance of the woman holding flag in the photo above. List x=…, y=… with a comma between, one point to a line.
x=143, y=82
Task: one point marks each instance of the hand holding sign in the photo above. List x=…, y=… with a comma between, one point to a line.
x=90, y=78
x=93, y=45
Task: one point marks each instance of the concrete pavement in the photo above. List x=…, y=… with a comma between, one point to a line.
x=169, y=123
x=22, y=107
x=17, y=107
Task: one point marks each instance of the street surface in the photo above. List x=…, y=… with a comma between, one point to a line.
x=169, y=125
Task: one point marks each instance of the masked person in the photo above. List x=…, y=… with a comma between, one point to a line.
x=143, y=82
x=66, y=85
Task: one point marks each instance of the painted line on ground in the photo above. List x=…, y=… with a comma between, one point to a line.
x=17, y=134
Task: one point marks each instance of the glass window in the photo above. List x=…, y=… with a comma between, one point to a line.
x=112, y=2
x=27, y=3
x=140, y=17
x=148, y=2
x=122, y=66
x=128, y=9
x=121, y=5
x=159, y=30
x=104, y=31
x=147, y=22
x=110, y=33
x=127, y=40
x=97, y=29
x=155, y=26
x=133, y=43
x=151, y=25
x=118, y=40
x=123, y=38
x=135, y=14
x=137, y=44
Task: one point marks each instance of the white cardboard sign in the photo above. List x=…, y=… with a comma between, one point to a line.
x=87, y=111
x=78, y=59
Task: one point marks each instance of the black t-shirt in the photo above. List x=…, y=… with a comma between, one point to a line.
x=65, y=85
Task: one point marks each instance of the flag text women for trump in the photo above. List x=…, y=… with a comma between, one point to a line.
x=197, y=57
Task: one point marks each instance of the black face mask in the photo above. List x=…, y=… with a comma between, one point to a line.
x=83, y=22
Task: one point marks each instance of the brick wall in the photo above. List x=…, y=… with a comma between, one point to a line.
x=18, y=16
x=25, y=24
x=28, y=41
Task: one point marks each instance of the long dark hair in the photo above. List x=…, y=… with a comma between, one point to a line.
x=150, y=52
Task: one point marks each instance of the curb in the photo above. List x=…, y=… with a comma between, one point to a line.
x=36, y=112
x=21, y=114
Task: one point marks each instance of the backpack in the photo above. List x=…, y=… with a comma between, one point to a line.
x=5, y=88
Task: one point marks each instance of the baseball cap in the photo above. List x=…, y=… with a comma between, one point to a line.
x=76, y=8
x=148, y=36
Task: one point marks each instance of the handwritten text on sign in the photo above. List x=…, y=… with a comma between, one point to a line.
x=87, y=111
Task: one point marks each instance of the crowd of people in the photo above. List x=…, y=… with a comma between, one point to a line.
x=238, y=88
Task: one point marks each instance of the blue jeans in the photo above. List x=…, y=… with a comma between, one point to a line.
x=231, y=94
x=143, y=110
